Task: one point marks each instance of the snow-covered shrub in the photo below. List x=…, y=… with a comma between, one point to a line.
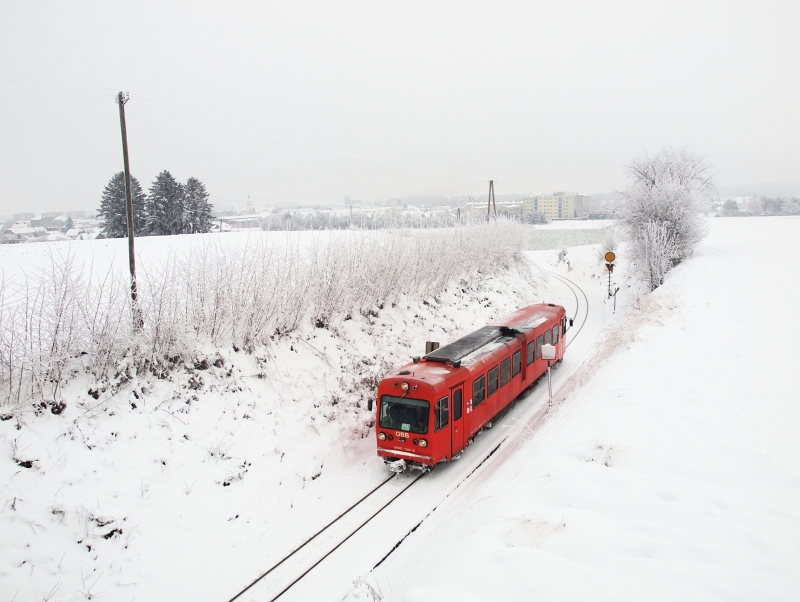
x=609, y=243
x=659, y=211
x=68, y=319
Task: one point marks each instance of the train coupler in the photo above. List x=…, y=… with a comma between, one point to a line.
x=397, y=467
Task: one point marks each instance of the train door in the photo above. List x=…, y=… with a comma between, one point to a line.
x=457, y=423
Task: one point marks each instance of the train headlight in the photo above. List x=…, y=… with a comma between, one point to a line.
x=404, y=386
x=423, y=443
x=382, y=436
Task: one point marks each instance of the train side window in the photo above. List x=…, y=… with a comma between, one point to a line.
x=529, y=352
x=548, y=337
x=491, y=383
x=505, y=371
x=555, y=334
x=441, y=414
x=516, y=362
x=539, y=343
x=478, y=391
x=456, y=405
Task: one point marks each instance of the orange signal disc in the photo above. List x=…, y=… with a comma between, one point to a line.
x=610, y=257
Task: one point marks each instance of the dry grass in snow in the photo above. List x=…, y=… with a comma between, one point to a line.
x=213, y=292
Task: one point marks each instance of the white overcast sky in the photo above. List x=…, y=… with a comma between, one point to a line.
x=308, y=102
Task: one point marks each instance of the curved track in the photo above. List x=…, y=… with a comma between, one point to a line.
x=273, y=584
x=575, y=290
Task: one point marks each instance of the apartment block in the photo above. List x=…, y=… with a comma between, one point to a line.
x=558, y=205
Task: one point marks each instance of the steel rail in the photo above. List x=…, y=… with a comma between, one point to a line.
x=570, y=284
x=353, y=532
x=312, y=538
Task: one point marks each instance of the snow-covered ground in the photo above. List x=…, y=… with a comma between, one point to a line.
x=667, y=470
x=670, y=473
x=187, y=487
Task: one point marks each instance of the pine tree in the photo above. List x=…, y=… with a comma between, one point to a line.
x=113, y=212
x=69, y=225
x=197, y=216
x=165, y=205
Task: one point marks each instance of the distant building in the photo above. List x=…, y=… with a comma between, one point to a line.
x=558, y=205
x=45, y=221
x=21, y=217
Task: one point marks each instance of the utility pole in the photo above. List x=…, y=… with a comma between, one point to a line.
x=491, y=204
x=137, y=315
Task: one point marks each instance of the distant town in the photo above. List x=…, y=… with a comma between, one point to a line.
x=413, y=212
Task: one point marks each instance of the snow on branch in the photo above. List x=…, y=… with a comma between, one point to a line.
x=222, y=292
x=660, y=210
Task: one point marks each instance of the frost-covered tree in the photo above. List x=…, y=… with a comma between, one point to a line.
x=113, y=213
x=165, y=205
x=537, y=217
x=659, y=211
x=654, y=248
x=730, y=208
x=197, y=209
x=772, y=206
x=792, y=206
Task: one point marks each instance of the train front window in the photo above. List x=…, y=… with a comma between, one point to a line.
x=404, y=414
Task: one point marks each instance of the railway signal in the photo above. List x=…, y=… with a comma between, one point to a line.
x=610, y=257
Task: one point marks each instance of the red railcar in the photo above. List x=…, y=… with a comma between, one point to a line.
x=428, y=411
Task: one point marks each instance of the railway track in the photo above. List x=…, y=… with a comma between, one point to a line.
x=577, y=292
x=295, y=566
x=360, y=513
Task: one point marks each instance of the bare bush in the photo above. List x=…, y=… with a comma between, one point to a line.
x=660, y=208
x=67, y=319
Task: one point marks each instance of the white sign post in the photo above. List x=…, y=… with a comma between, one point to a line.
x=549, y=354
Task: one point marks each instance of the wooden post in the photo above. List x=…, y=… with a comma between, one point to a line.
x=137, y=315
x=491, y=203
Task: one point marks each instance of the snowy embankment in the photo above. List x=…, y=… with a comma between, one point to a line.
x=190, y=456
x=670, y=474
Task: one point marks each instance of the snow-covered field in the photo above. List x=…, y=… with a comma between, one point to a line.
x=668, y=469
x=671, y=474
x=186, y=487
x=563, y=234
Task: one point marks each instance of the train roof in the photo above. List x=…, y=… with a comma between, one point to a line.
x=521, y=321
x=465, y=345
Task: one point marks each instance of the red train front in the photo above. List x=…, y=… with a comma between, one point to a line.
x=428, y=410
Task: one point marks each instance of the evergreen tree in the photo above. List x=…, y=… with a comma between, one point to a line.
x=197, y=216
x=69, y=225
x=112, y=208
x=165, y=205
